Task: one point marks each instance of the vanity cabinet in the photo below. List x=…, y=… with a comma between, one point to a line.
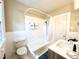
x=53, y=55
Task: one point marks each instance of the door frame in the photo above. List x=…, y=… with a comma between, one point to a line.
x=52, y=26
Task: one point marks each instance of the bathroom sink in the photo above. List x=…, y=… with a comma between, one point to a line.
x=67, y=48
x=62, y=44
x=64, y=48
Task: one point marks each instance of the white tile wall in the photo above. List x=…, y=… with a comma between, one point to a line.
x=73, y=35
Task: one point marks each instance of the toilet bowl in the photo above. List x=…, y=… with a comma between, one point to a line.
x=21, y=51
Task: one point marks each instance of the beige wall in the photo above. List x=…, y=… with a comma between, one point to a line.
x=74, y=21
x=74, y=15
x=14, y=15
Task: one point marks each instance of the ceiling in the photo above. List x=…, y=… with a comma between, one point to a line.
x=45, y=5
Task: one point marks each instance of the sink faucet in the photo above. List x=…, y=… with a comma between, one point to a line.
x=74, y=40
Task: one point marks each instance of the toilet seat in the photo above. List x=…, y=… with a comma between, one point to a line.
x=21, y=51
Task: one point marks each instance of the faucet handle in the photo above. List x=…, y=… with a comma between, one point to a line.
x=75, y=40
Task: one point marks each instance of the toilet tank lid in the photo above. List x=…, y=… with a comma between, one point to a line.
x=17, y=40
x=22, y=51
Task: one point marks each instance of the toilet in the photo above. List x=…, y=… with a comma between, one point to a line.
x=22, y=52
x=21, y=48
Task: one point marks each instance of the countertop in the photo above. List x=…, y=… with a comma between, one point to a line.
x=62, y=52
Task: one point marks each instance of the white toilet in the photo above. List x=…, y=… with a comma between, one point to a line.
x=21, y=49
x=22, y=52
